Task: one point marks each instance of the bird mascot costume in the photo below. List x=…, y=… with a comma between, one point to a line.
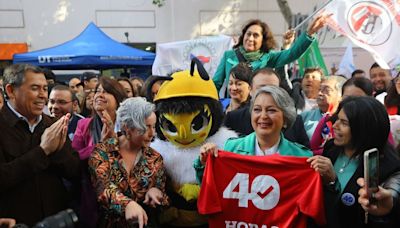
x=189, y=114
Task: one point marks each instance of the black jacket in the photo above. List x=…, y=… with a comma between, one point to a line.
x=31, y=186
x=340, y=215
x=298, y=97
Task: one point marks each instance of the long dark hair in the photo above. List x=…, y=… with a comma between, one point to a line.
x=362, y=83
x=112, y=87
x=130, y=85
x=268, y=41
x=148, y=85
x=369, y=123
x=84, y=110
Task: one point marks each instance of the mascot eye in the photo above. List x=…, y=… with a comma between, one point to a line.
x=169, y=127
x=199, y=123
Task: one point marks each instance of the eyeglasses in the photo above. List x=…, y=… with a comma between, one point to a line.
x=326, y=90
x=59, y=102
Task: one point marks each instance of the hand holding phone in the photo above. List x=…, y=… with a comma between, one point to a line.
x=371, y=173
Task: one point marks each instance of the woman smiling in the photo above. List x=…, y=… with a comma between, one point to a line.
x=256, y=48
x=126, y=172
x=239, y=87
x=361, y=123
x=272, y=110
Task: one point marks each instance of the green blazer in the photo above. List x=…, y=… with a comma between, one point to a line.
x=271, y=59
x=246, y=146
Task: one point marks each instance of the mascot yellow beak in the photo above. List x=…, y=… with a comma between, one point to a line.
x=186, y=130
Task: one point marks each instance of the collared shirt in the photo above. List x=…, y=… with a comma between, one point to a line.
x=31, y=127
x=309, y=103
x=311, y=119
x=270, y=151
x=73, y=122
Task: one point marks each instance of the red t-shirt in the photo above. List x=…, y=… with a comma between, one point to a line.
x=274, y=191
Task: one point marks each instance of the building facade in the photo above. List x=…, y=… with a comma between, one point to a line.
x=46, y=23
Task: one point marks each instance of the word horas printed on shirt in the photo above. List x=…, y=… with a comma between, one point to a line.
x=241, y=224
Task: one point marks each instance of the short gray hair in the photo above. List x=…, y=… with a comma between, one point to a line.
x=283, y=101
x=133, y=112
x=339, y=81
x=15, y=74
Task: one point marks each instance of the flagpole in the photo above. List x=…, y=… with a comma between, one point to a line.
x=311, y=15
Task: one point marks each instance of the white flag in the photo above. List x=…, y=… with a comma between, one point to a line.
x=346, y=66
x=174, y=56
x=373, y=25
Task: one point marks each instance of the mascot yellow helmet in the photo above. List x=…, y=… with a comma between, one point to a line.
x=187, y=84
x=186, y=104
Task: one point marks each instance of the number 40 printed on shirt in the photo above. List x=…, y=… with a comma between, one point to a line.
x=264, y=192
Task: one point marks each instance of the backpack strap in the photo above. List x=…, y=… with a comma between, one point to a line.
x=241, y=58
x=239, y=55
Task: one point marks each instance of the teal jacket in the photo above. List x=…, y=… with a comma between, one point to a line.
x=246, y=146
x=271, y=59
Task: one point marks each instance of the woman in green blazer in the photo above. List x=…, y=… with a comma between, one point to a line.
x=256, y=47
x=272, y=109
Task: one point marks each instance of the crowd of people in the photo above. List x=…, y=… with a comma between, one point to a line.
x=89, y=144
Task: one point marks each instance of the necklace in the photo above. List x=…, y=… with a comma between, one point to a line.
x=345, y=164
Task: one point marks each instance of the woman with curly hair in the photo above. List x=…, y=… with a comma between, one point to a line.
x=256, y=48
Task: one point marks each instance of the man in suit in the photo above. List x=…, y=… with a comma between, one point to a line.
x=61, y=102
x=35, y=153
x=240, y=120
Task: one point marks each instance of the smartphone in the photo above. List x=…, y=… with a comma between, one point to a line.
x=371, y=172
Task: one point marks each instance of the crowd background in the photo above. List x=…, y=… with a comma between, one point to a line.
x=87, y=145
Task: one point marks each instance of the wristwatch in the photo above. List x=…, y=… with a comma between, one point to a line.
x=332, y=185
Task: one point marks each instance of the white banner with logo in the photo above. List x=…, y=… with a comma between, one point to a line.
x=373, y=25
x=346, y=66
x=175, y=56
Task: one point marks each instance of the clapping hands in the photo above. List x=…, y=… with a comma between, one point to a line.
x=54, y=137
x=108, y=126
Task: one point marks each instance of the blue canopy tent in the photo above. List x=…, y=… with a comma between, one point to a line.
x=92, y=49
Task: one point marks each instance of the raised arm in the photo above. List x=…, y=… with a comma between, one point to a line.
x=300, y=45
